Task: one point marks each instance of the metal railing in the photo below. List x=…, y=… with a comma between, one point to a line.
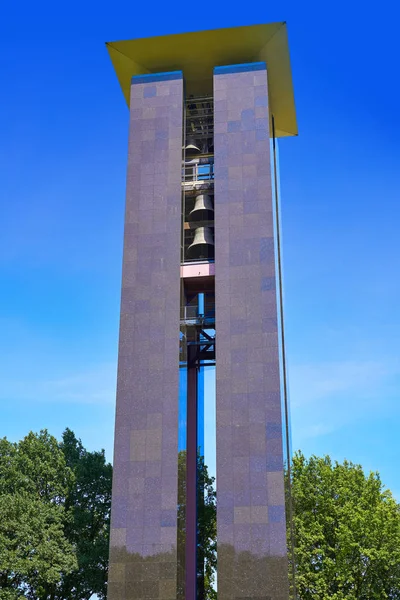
x=198, y=170
x=190, y=316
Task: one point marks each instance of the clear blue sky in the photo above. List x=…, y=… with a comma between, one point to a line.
x=63, y=143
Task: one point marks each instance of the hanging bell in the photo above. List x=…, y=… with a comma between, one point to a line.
x=203, y=244
x=191, y=147
x=203, y=210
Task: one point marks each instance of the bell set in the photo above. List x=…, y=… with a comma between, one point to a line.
x=200, y=218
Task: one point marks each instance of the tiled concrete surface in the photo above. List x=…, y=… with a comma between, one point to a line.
x=252, y=559
x=143, y=552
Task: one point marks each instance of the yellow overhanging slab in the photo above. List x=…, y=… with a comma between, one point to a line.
x=197, y=53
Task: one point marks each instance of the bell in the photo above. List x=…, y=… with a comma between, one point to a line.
x=191, y=147
x=203, y=209
x=203, y=244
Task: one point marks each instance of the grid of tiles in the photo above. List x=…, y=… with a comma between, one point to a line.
x=143, y=554
x=252, y=561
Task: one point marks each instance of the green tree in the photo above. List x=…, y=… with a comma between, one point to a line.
x=347, y=532
x=206, y=529
x=54, y=519
x=89, y=503
x=34, y=552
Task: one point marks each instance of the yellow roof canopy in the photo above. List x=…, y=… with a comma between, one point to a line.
x=197, y=53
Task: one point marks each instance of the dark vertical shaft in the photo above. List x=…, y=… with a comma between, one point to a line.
x=191, y=477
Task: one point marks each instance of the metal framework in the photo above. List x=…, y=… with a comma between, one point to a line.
x=198, y=161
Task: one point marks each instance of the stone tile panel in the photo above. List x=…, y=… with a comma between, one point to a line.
x=252, y=559
x=143, y=553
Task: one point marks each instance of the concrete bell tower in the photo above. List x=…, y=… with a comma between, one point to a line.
x=201, y=349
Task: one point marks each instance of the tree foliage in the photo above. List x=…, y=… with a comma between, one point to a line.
x=54, y=519
x=55, y=514
x=347, y=532
x=34, y=551
x=206, y=529
x=89, y=503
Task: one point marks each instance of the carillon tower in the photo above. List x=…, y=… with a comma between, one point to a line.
x=201, y=370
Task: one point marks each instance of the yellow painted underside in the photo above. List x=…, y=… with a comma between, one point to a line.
x=197, y=53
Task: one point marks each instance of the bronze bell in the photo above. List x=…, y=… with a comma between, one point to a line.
x=192, y=147
x=202, y=246
x=203, y=210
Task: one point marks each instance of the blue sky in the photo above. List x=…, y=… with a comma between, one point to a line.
x=63, y=143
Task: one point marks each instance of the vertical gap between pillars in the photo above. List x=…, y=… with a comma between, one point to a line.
x=191, y=477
